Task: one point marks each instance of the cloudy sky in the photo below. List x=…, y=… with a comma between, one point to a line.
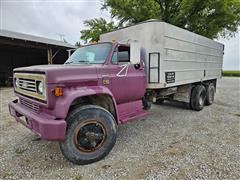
x=55, y=18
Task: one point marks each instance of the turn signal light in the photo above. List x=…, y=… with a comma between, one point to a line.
x=58, y=91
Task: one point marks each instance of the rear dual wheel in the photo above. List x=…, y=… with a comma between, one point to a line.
x=202, y=96
x=198, y=98
x=160, y=101
x=210, y=93
x=91, y=134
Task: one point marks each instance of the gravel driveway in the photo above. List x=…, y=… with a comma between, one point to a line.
x=174, y=142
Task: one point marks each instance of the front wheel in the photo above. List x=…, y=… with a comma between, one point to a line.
x=91, y=134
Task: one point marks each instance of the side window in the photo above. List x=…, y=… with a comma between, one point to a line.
x=122, y=56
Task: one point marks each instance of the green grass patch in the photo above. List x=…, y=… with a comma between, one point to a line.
x=235, y=73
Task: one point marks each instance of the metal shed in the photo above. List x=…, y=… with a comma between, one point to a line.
x=19, y=50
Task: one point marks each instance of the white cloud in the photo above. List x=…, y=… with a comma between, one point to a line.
x=49, y=18
x=231, y=58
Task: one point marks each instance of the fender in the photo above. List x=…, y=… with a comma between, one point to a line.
x=70, y=94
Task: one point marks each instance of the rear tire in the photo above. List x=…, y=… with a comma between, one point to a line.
x=210, y=94
x=91, y=134
x=160, y=101
x=146, y=104
x=198, y=98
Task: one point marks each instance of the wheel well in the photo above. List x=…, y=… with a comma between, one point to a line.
x=207, y=83
x=102, y=100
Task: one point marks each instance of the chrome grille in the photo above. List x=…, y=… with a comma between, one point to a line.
x=29, y=104
x=26, y=84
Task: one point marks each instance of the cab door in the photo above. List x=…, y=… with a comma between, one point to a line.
x=128, y=83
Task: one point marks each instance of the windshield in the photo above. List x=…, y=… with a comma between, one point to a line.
x=92, y=54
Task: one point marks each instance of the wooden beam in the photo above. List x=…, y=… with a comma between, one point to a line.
x=55, y=54
x=49, y=52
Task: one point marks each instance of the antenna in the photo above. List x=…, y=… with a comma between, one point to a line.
x=61, y=36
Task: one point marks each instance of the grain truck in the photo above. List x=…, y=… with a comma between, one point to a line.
x=102, y=85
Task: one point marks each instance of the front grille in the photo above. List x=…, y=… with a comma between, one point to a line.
x=30, y=105
x=27, y=84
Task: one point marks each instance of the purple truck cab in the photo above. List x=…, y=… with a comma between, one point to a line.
x=81, y=102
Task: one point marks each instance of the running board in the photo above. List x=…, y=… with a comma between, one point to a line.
x=130, y=111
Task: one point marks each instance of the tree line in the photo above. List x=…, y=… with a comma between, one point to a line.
x=209, y=18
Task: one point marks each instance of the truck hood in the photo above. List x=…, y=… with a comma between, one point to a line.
x=64, y=73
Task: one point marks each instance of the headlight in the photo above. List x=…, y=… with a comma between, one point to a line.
x=40, y=87
x=16, y=82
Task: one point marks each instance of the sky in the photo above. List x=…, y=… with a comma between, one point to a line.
x=55, y=19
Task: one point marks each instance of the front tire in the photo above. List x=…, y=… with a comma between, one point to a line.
x=91, y=134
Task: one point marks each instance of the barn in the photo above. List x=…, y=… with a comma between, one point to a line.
x=19, y=50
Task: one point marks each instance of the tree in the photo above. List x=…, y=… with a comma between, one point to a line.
x=210, y=18
x=96, y=27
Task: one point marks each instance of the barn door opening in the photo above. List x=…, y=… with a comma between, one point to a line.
x=154, y=67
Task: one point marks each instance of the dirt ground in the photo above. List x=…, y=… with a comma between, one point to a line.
x=173, y=143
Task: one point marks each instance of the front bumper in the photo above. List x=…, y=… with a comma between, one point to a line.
x=40, y=123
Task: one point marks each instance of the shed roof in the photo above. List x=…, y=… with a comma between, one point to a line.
x=37, y=39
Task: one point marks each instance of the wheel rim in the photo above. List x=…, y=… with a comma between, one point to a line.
x=89, y=136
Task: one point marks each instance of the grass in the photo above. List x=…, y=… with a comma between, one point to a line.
x=235, y=73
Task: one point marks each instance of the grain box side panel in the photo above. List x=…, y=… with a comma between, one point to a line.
x=191, y=57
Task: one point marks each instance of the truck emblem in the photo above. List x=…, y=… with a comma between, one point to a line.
x=106, y=81
x=24, y=84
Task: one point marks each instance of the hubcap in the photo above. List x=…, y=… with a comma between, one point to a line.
x=89, y=136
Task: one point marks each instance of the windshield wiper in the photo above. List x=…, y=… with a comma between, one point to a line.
x=70, y=62
x=87, y=62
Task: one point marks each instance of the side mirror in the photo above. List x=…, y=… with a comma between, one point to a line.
x=135, y=52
